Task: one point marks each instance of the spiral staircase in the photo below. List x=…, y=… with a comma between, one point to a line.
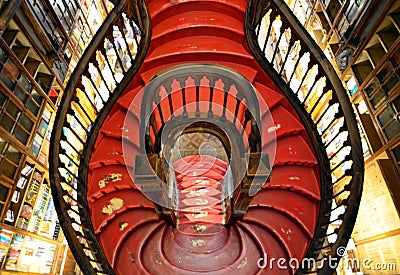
x=182, y=145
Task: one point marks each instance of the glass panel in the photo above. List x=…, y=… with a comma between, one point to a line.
x=390, y=83
x=21, y=135
x=332, y=9
x=20, y=94
x=351, y=10
x=396, y=153
x=392, y=130
x=3, y=192
x=386, y=116
x=2, y=145
x=396, y=104
x=13, y=154
x=371, y=87
x=13, y=110
x=395, y=59
x=8, y=169
x=3, y=55
x=343, y=26
x=11, y=69
x=7, y=80
x=72, y=4
x=26, y=122
x=3, y=99
x=378, y=98
x=32, y=107
x=44, y=81
x=383, y=73
x=25, y=82
x=7, y=123
x=37, y=97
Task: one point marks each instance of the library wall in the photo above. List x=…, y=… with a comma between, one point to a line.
x=31, y=85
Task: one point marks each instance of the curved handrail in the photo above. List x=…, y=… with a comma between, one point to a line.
x=152, y=96
x=282, y=46
x=157, y=105
x=112, y=58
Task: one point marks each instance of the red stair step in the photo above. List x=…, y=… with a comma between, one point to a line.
x=284, y=229
x=101, y=210
x=296, y=176
x=194, y=23
x=282, y=124
x=161, y=10
x=292, y=150
x=289, y=205
x=109, y=176
x=129, y=258
x=130, y=221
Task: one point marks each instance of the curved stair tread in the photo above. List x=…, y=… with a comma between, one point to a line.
x=210, y=45
x=272, y=249
x=161, y=11
x=197, y=23
x=126, y=222
x=287, y=201
x=303, y=177
x=288, y=232
x=284, y=124
x=106, y=207
x=292, y=150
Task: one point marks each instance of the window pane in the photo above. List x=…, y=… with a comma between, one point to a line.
x=8, y=169
x=22, y=96
x=378, y=98
x=371, y=87
x=3, y=55
x=390, y=83
x=26, y=122
x=3, y=192
x=25, y=83
x=7, y=123
x=37, y=97
x=13, y=154
x=13, y=110
x=7, y=80
x=395, y=59
x=2, y=145
x=11, y=69
x=32, y=107
x=396, y=104
x=3, y=99
x=383, y=73
x=392, y=130
x=386, y=116
x=21, y=135
x=396, y=153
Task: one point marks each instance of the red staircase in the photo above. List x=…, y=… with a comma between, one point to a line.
x=204, y=68
x=281, y=217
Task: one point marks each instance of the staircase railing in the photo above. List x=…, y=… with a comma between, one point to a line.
x=303, y=73
x=104, y=71
x=159, y=93
x=237, y=114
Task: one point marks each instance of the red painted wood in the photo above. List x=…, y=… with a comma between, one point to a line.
x=194, y=23
x=282, y=215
